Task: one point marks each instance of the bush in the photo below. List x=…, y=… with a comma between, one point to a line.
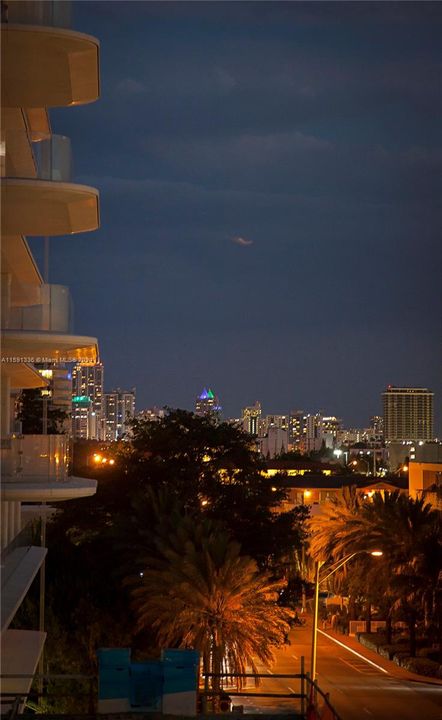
x=422, y=666
x=389, y=651
x=429, y=653
x=400, y=657
x=372, y=641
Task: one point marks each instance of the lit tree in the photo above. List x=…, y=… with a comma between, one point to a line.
x=198, y=591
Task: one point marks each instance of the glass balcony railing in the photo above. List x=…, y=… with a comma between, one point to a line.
x=35, y=458
x=53, y=312
x=52, y=13
x=42, y=158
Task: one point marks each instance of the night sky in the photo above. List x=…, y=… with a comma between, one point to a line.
x=270, y=178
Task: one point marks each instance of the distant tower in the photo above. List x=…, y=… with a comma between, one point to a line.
x=119, y=408
x=408, y=413
x=251, y=417
x=87, y=401
x=207, y=403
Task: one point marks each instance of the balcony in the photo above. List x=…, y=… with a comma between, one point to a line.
x=38, y=197
x=35, y=458
x=50, y=13
x=35, y=469
x=53, y=312
x=44, y=63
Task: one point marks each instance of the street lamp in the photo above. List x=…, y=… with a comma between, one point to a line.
x=361, y=459
x=318, y=581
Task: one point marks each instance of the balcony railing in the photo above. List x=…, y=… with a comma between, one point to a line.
x=52, y=13
x=35, y=458
x=36, y=158
x=53, y=313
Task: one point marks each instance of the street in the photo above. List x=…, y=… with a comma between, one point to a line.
x=357, y=688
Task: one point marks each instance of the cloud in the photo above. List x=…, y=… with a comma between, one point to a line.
x=130, y=86
x=242, y=241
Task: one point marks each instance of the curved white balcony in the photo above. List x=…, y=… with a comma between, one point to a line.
x=38, y=197
x=35, y=469
x=44, y=63
x=28, y=346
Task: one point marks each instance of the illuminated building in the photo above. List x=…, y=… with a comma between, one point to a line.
x=152, y=414
x=44, y=64
x=119, y=407
x=272, y=421
x=85, y=423
x=88, y=381
x=250, y=418
x=296, y=429
x=207, y=403
x=377, y=428
x=408, y=414
x=313, y=432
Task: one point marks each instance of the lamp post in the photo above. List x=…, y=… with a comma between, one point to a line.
x=318, y=581
x=361, y=459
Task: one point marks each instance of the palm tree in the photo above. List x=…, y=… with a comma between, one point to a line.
x=198, y=591
x=408, y=533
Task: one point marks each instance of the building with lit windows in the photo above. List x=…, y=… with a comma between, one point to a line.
x=377, y=428
x=152, y=414
x=119, y=408
x=408, y=414
x=44, y=64
x=88, y=382
x=207, y=404
x=251, y=417
x=296, y=429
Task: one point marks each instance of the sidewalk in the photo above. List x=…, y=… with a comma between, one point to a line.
x=372, y=656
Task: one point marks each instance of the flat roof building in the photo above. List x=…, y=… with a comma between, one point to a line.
x=408, y=414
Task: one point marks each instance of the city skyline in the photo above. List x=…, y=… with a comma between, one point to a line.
x=269, y=201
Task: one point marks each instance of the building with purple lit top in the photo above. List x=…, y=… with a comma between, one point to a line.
x=207, y=404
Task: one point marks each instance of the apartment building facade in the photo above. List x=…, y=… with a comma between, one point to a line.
x=44, y=64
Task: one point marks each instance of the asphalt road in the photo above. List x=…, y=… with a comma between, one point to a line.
x=358, y=690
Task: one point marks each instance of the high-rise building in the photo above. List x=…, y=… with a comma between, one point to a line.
x=44, y=64
x=296, y=429
x=313, y=432
x=119, y=408
x=408, y=414
x=207, y=403
x=87, y=402
x=377, y=428
x=330, y=429
x=250, y=418
x=273, y=421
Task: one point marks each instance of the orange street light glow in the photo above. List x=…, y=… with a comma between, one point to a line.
x=377, y=553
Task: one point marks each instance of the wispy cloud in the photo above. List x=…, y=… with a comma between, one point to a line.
x=241, y=241
x=130, y=86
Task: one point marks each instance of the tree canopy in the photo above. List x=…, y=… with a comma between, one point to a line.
x=197, y=590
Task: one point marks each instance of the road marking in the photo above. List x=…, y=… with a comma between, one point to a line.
x=295, y=656
x=368, y=711
x=351, y=665
x=338, y=642
x=291, y=689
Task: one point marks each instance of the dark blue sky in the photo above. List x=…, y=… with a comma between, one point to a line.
x=310, y=131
